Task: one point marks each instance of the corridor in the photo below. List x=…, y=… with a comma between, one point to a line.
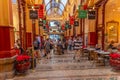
x=28, y=26
x=63, y=67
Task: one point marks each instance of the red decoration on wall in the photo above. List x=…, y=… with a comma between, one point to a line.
x=92, y=38
x=72, y=19
x=29, y=39
x=6, y=36
x=63, y=27
x=41, y=11
x=47, y=27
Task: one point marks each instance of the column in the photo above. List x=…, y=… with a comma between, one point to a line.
x=6, y=26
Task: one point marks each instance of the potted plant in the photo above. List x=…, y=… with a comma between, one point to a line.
x=32, y=61
x=115, y=61
x=22, y=63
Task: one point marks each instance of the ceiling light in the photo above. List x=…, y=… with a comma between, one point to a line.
x=118, y=8
x=113, y=9
x=57, y=1
x=33, y=8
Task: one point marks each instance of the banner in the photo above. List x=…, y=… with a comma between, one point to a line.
x=82, y=14
x=82, y=11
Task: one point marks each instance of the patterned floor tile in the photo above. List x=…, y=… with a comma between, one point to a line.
x=63, y=67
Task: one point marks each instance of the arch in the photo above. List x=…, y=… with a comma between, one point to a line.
x=52, y=7
x=51, y=1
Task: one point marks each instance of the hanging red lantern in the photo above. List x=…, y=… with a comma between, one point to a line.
x=72, y=18
x=63, y=27
x=85, y=6
x=41, y=11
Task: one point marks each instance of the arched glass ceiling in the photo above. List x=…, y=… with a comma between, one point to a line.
x=60, y=4
x=13, y=1
x=48, y=7
x=61, y=7
x=48, y=12
x=64, y=2
x=46, y=1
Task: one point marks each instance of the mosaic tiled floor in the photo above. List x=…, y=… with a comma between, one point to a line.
x=75, y=78
x=63, y=67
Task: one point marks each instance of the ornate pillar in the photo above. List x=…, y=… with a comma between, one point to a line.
x=83, y=33
x=103, y=23
x=24, y=25
x=20, y=24
x=7, y=56
x=98, y=5
x=6, y=26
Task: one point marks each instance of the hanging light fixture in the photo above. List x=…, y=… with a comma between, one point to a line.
x=57, y=1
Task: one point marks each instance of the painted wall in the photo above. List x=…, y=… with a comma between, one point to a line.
x=6, y=13
x=113, y=13
x=6, y=25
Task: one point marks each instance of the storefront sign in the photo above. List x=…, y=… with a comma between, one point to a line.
x=66, y=26
x=40, y=23
x=76, y=23
x=91, y=14
x=69, y=26
x=44, y=21
x=33, y=14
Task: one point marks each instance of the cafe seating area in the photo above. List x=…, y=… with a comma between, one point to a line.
x=101, y=57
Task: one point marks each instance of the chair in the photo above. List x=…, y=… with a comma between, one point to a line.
x=96, y=58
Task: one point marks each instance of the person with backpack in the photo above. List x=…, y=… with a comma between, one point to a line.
x=47, y=47
x=36, y=45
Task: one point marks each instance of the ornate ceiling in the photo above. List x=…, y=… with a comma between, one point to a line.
x=55, y=6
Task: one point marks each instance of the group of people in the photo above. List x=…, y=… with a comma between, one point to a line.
x=47, y=46
x=43, y=49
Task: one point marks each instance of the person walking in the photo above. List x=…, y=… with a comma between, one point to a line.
x=77, y=45
x=70, y=44
x=47, y=47
x=59, y=47
x=36, y=45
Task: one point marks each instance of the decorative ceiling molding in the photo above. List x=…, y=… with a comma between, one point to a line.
x=59, y=2
x=53, y=7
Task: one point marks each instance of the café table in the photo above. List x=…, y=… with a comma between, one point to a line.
x=104, y=55
x=90, y=51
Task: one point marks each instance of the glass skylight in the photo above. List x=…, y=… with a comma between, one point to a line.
x=55, y=4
